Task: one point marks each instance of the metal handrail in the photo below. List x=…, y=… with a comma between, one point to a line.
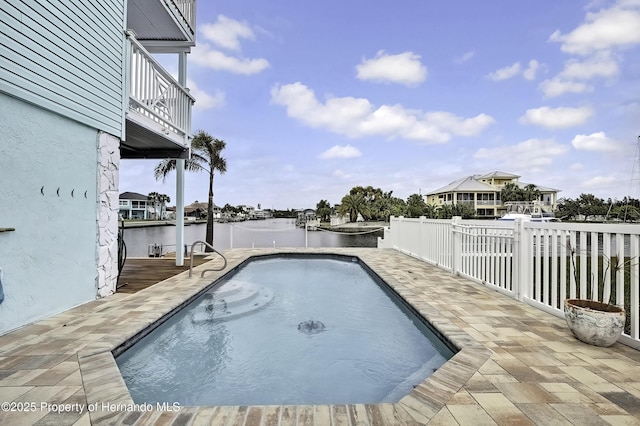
x=206, y=270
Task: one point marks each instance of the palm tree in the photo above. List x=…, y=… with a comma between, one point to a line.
x=163, y=199
x=531, y=193
x=205, y=156
x=153, y=199
x=323, y=210
x=511, y=192
x=354, y=204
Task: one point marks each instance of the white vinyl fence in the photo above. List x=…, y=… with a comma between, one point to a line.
x=541, y=264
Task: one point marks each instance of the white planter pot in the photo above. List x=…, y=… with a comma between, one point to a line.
x=594, y=322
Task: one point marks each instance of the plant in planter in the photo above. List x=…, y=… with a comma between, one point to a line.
x=597, y=322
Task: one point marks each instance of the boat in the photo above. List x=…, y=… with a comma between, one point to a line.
x=527, y=211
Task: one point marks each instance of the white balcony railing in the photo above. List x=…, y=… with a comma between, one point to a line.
x=187, y=9
x=156, y=96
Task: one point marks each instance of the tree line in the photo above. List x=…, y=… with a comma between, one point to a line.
x=375, y=204
x=589, y=207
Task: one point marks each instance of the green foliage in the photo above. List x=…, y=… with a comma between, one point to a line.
x=512, y=192
x=206, y=155
x=416, y=206
x=626, y=213
x=323, y=210
x=354, y=204
x=448, y=211
x=588, y=206
x=385, y=206
x=372, y=203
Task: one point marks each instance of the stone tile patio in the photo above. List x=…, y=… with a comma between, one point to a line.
x=516, y=364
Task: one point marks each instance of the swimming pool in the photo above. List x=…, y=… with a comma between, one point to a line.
x=286, y=330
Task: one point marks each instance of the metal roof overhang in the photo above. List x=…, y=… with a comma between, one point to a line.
x=143, y=142
x=158, y=20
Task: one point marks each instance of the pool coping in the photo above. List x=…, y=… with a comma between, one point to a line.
x=103, y=382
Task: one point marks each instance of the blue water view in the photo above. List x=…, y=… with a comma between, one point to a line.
x=248, y=234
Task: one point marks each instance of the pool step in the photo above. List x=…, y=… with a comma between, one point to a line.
x=233, y=299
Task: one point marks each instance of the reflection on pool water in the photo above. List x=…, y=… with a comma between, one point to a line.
x=286, y=330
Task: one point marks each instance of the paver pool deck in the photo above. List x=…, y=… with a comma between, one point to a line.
x=517, y=365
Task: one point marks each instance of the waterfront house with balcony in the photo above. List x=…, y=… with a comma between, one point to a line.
x=79, y=90
x=482, y=192
x=134, y=206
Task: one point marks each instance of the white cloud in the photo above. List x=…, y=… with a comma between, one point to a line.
x=227, y=32
x=338, y=151
x=576, y=167
x=602, y=65
x=514, y=70
x=530, y=72
x=602, y=34
x=616, y=27
x=404, y=68
x=204, y=56
x=357, y=117
x=559, y=86
x=601, y=182
x=595, y=142
x=341, y=174
x=203, y=99
x=506, y=72
x=466, y=57
x=556, y=118
x=533, y=155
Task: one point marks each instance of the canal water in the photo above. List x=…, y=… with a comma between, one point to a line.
x=248, y=234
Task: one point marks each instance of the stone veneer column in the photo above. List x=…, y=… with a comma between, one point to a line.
x=107, y=213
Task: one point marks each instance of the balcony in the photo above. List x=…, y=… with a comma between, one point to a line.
x=163, y=26
x=489, y=203
x=158, y=117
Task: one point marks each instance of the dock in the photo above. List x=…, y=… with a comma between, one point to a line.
x=142, y=272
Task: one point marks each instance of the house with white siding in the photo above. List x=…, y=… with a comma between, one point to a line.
x=483, y=193
x=134, y=206
x=79, y=90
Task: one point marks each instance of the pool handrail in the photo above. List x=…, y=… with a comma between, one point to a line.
x=205, y=270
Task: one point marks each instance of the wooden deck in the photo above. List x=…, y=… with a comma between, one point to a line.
x=140, y=273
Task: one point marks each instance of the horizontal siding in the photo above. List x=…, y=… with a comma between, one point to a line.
x=66, y=56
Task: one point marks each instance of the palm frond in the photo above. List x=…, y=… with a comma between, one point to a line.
x=164, y=168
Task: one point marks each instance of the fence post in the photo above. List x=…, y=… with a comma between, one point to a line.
x=519, y=276
x=457, y=246
x=422, y=255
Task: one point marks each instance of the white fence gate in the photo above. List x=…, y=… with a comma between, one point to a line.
x=538, y=263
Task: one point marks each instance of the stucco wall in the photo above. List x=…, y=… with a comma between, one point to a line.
x=50, y=260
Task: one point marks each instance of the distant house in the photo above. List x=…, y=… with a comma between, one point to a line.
x=134, y=206
x=199, y=210
x=305, y=216
x=482, y=192
x=246, y=211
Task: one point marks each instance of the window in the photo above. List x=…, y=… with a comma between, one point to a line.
x=485, y=212
x=465, y=196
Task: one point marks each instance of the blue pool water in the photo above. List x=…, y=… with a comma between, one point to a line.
x=283, y=330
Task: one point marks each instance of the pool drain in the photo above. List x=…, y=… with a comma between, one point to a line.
x=311, y=327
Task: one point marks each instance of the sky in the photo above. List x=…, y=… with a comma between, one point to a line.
x=314, y=98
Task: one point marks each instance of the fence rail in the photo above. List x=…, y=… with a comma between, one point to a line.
x=538, y=263
x=155, y=94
